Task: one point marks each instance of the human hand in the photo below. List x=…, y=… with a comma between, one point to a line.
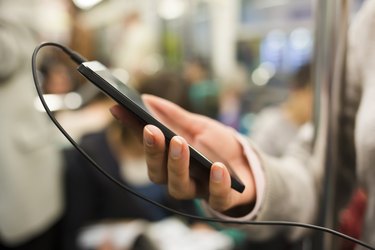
x=206, y=135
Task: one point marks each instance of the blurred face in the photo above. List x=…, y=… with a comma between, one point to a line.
x=58, y=81
x=193, y=73
x=304, y=105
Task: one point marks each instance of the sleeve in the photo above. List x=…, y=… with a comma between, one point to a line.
x=286, y=190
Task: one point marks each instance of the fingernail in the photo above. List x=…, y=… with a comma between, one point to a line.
x=148, y=137
x=176, y=148
x=217, y=173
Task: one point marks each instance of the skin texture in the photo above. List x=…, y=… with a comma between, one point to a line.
x=171, y=166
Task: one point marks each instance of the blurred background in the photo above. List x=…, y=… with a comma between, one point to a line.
x=236, y=61
x=249, y=49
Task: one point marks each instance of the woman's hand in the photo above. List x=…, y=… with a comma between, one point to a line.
x=208, y=136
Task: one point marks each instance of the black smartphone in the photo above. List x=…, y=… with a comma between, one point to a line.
x=130, y=99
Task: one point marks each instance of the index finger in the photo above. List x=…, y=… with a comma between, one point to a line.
x=154, y=145
x=181, y=121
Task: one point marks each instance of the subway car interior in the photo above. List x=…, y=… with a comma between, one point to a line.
x=283, y=85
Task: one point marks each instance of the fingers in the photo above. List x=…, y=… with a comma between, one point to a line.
x=172, y=167
x=173, y=171
x=180, y=185
x=219, y=188
x=154, y=145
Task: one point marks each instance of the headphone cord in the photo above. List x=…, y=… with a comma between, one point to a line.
x=77, y=58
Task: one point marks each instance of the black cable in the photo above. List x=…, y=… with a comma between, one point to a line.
x=79, y=59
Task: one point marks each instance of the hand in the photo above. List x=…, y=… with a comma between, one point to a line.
x=206, y=135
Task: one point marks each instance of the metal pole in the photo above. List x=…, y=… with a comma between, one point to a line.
x=330, y=45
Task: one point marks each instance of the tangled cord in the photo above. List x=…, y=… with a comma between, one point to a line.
x=79, y=59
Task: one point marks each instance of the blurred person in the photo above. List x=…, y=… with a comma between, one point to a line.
x=274, y=187
x=203, y=89
x=231, y=93
x=57, y=78
x=80, y=107
x=276, y=126
x=91, y=198
x=230, y=107
x=168, y=84
x=31, y=201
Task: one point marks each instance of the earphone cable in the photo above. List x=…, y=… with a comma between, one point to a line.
x=79, y=59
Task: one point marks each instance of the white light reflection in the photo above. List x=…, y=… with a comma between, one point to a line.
x=171, y=9
x=152, y=64
x=276, y=39
x=72, y=100
x=55, y=102
x=263, y=73
x=86, y=4
x=300, y=39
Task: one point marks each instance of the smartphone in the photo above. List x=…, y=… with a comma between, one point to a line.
x=130, y=99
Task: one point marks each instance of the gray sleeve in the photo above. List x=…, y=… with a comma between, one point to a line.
x=291, y=190
x=289, y=194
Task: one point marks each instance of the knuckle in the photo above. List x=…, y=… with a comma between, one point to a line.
x=176, y=171
x=174, y=193
x=219, y=206
x=219, y=202
x=152, y=152
x=157, y=177
x=177, y=193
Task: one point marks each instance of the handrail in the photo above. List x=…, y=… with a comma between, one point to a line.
x=331, y=22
